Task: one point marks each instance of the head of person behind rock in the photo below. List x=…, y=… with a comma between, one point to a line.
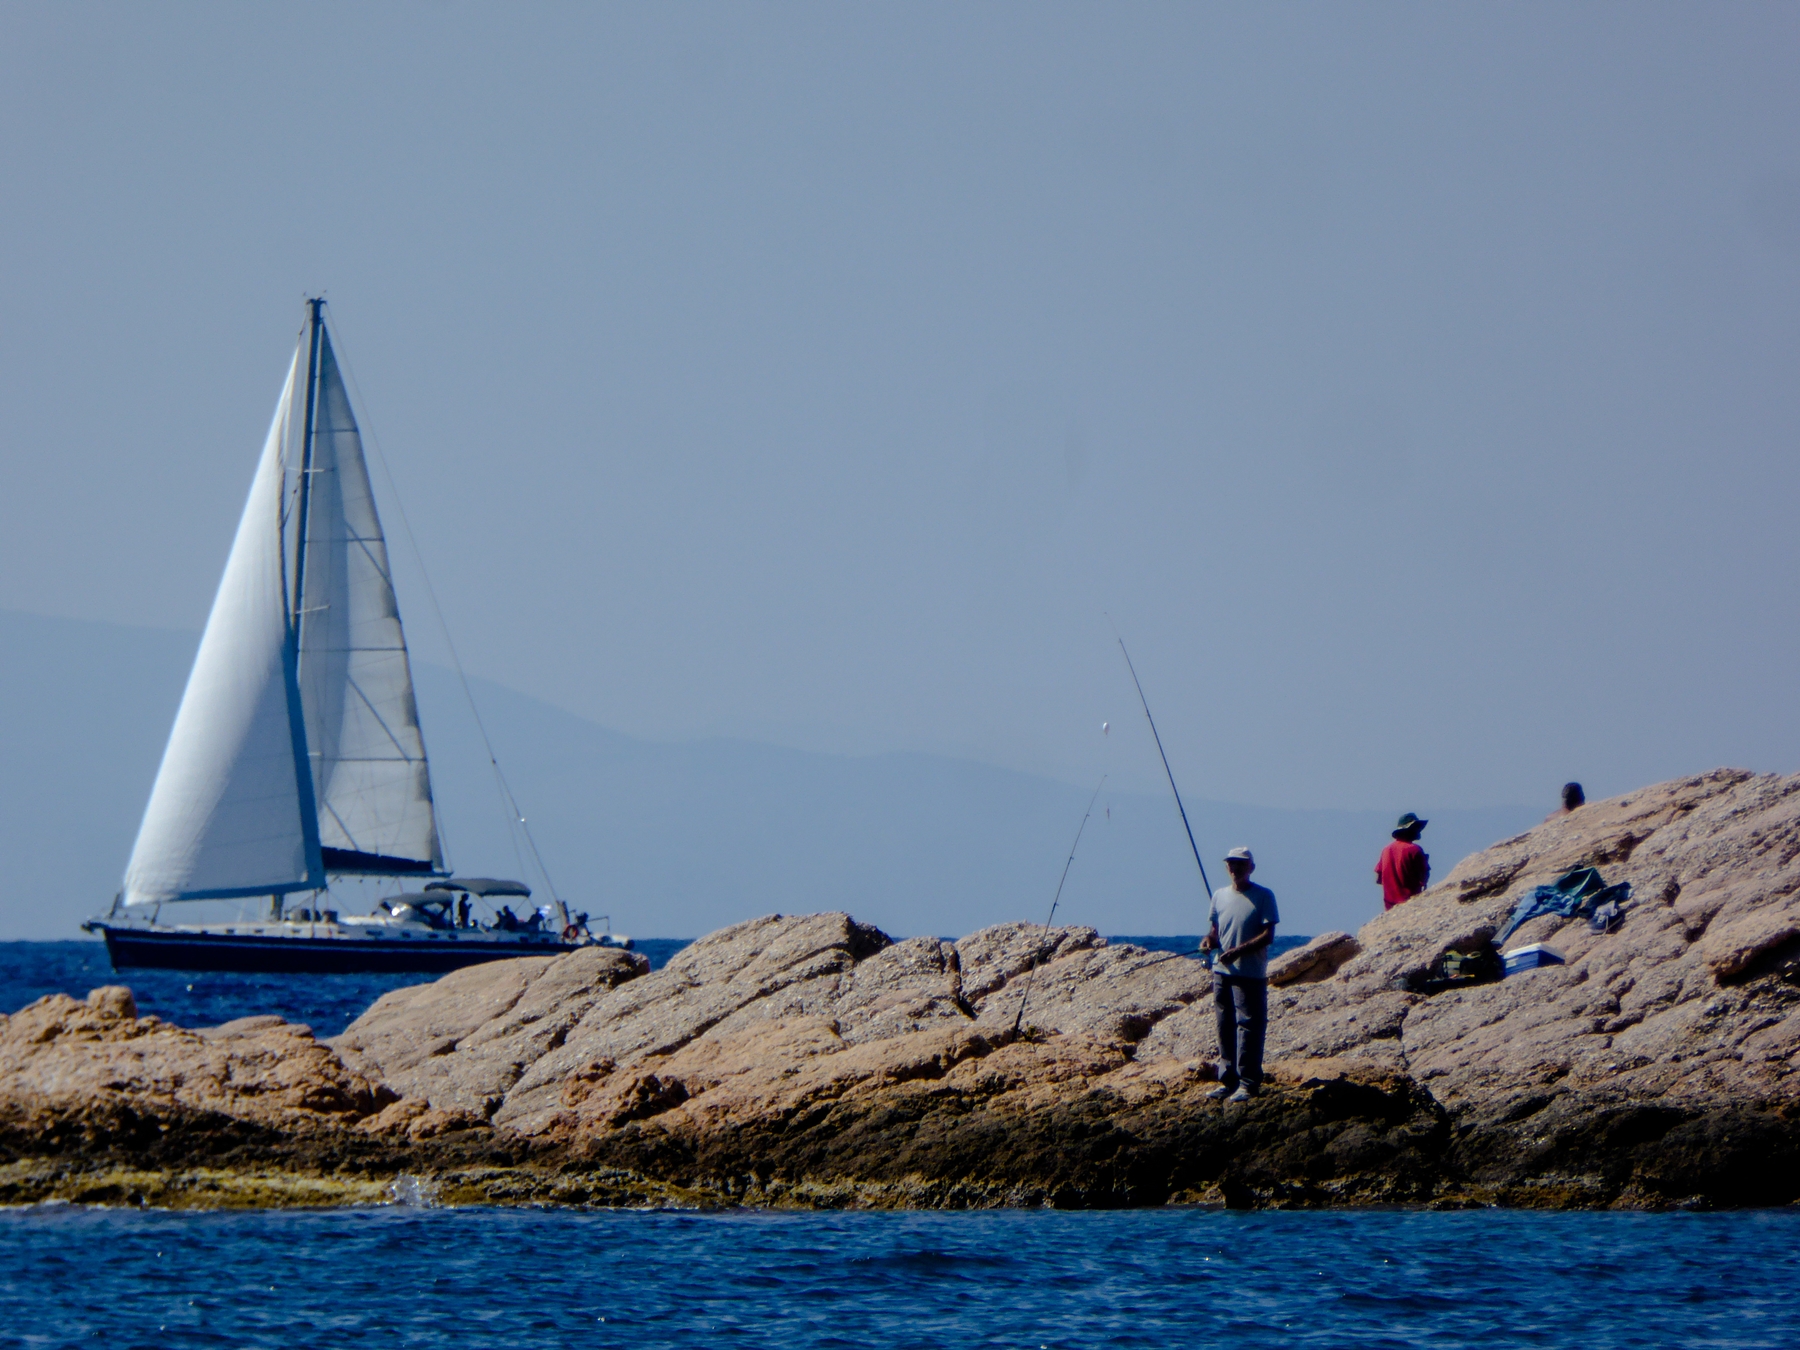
x=1573, y=799
x=1240, y=928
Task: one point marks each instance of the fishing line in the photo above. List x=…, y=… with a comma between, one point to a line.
x=1165, y=758
x=1070, y=862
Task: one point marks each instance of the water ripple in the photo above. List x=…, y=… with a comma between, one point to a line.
x=407, y=1276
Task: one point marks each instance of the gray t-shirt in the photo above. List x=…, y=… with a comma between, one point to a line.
x=1240, y=916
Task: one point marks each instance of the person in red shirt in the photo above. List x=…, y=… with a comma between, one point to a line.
x=1404, y=868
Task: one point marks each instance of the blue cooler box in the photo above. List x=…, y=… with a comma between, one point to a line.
x=1530, y=958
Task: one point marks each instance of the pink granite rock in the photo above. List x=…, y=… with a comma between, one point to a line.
x=1659, y=1063
x=1318, y=960
x=63, y=1055
x=768, y=1013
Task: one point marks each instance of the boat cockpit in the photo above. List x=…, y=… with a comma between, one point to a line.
x=469, y=906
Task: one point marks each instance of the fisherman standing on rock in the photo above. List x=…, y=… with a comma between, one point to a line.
x=1240, y=928
x=1404, y=869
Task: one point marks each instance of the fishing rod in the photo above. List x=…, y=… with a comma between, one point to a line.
x=1165, y=760
x=1070, y=862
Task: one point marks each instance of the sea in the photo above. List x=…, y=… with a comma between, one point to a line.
x=411, y=1273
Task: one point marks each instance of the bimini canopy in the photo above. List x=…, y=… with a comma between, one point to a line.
x=482, y=886
x=417, y=900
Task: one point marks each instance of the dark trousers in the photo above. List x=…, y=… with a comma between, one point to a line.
x=1242, y=1007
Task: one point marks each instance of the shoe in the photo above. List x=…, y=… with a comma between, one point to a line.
x=1220, y=1092
x=1244, y=1093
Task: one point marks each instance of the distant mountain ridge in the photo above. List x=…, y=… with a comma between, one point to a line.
x=674, y=839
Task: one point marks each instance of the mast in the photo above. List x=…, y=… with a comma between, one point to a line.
x=314, y=319
x=309, y=805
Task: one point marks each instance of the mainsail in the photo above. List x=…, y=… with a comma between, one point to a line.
x=296, y=750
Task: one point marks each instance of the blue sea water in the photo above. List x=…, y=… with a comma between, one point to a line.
x=326, y=1003
x=406, y=1276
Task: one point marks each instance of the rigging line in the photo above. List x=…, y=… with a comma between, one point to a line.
x=1165, y=758
x=1067, y=864
x=509, y=801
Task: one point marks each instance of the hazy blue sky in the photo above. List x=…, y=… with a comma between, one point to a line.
x=1416, y=385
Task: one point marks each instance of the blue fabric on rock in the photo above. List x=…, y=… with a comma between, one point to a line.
x=1573, y=894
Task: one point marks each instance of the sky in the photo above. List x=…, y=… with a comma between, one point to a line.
x=1413, y=386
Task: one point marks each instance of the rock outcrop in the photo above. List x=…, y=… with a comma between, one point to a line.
x=1317, y=960
x=61, y=1054
x=455, y=1048
x=812, y=1060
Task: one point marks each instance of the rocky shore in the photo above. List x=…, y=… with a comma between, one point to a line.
x=812, y=1061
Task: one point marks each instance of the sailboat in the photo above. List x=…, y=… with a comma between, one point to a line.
x=296, y=757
